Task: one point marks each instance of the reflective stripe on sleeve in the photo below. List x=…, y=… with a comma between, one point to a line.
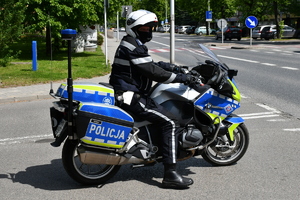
x=138, y=61
x=127, y=45
x=121, y=62
x=172, y=77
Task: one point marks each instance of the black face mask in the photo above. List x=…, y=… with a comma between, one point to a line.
x=144, y=36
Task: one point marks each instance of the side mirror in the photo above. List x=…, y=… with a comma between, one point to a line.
x=232, y=73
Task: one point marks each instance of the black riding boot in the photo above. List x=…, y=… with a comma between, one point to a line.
x=174, y=180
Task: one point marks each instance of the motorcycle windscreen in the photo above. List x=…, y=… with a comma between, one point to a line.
x=103, y=125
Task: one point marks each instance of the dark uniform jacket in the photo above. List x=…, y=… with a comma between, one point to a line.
x=134, y=70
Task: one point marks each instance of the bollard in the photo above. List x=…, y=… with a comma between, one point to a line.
x=34, y=56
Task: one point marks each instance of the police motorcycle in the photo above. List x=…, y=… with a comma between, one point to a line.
x=100, y=137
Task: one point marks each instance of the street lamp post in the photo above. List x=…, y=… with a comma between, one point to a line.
x=172, y=31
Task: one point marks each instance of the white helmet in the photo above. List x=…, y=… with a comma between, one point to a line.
x=140, y=18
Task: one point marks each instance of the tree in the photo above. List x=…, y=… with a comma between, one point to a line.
x=197, y=8
x=279, y=5
x=62, y=14
x=294, y=9
x=156, y=6
x=258, y=8
x=11, y=18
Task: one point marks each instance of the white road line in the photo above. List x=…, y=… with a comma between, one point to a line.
x=272, y=112
x=290, y=68
x=21, y=139
x=269, y=64
x=268, y=108
x=161, y=43
x=252, y=61
x=277, y=120
x=255, y=114
x=292, y=129
x=222, y=56
x=163, y=50
x=244, y=97
x=261, y=116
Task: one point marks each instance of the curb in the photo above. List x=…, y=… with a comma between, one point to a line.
x=23, y=99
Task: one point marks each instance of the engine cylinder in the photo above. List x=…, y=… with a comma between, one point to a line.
x=191, y=137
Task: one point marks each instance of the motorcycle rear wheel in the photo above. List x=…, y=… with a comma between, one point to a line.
x=224, y=156
x=84, y=173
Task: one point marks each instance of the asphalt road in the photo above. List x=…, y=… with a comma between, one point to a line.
x=32, y=169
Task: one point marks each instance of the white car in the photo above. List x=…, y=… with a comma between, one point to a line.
x=270, y=32
x=256, y=32
x=201, y=30
x=182, y=28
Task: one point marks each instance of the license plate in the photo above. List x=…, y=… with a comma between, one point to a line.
x=107, y=132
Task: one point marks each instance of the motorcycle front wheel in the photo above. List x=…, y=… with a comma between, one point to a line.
x=221, y=154
x=84, y=173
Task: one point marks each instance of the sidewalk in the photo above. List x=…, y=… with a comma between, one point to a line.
x=41, y=91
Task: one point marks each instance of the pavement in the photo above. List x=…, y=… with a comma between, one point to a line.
x=41, y=91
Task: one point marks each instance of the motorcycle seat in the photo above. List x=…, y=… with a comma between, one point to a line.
x=106, y=84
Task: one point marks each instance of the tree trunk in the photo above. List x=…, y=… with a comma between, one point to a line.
x=275, y=4
x=48, y=41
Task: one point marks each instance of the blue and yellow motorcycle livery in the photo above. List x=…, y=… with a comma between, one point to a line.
x=100, y=137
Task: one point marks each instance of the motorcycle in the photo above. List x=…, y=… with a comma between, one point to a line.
x=101, y=137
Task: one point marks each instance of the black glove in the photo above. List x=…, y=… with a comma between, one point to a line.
x=187, y=79
x=191, y=79
x=180, y=69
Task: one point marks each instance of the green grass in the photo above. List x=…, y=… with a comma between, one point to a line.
x=84, y=65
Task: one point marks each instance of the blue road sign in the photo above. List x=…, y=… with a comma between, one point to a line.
x=208, y=15
x=251, y=22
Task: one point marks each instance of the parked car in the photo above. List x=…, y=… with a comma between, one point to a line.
x=230, y=32
x=269, y=32
x=190, y=30
x=202, y=30
x=182, y=28
x=256, y=32
x=164, y=28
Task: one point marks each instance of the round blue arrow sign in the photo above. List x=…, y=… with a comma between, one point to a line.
x=251, y=22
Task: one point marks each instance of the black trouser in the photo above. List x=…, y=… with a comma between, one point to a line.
x=146, y=108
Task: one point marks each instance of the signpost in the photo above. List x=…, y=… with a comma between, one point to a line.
x=222, y=23
x=251, y=22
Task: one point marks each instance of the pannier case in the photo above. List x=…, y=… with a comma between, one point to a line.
x=88, y=92
x=103, y=125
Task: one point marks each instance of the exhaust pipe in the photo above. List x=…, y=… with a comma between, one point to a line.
x=106, y=158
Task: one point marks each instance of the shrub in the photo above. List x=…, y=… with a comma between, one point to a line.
x=99, y=39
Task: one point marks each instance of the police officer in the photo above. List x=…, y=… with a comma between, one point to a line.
x=133, y=71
